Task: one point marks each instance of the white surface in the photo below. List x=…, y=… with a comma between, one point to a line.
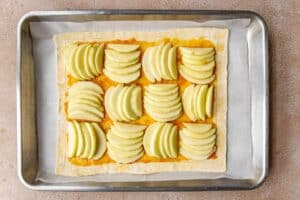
x=239, y=142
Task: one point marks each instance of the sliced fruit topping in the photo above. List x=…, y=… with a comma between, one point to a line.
x=198, y=101
x=123, y=103
x=85, y=101
x=86, y=140
x=125, y=142
x=162, y=102
x=159, y=62
x=84, y=61
x=197, y=64
x=122, y=62
x=160, y=140
x=197, y=141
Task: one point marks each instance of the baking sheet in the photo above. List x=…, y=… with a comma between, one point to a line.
x=239, y=146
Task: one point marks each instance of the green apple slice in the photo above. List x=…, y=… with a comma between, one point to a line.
x=120, y=141
x=83, y=115
x=111, y=64
x=93, y=139
x=192, y=156
x=91, y=60
x=198, y=135
x=126, y=105
x=172, y=63
x=202, y=68
x=126, y=70
x=209, y=101
x=72, y=140
x=151, y=139
x=195, y=80
x=196, y=102
x=86, y=108
x=79, y=62
x=85, y=97
x=195, y=51
x=194, y=150
x=196, y=74
x=160, y=109
x=193, y=141
x=200, y=148
x=121, y=78
x=166, y=139
x=73, y=70
x=85, y=85
x=199, y=57
x=81, y=141
x=147, y=65
x=152, y=62
x=126, y=134
x=101, y=142
x=129, y=127
x=86, y=65
x=121, y=152
x=202, y=101
x=114, y=101
x=187, y=99
x=161, y=87
x=156, y=91
x=198, y=128
x=173, y=146
x=157, y=64
x=124, y=48
x=164, y=117
x=187, y=61
x=85, y=101
x=87, y=140
x=121, y=57
x=136, y=99
x=161, y=136
x=108, y=98
x=68, y=53
x=124, y=160
x=159, y=98
x=99, y=58
x=81, y=93
x=161, y=104
x=120, y=105
x=164, y=61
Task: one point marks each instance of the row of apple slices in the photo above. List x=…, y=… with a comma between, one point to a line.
x=86, y=140
x=85, y=102
x=197, y=141
x=123, y=103
x=162, y=102
x=125, y=142
x=197, y=64
x=122, y=63
x=159, y=62
x=84, y=61
x=198, y=101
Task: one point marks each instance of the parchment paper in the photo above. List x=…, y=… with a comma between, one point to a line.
x=239, y=142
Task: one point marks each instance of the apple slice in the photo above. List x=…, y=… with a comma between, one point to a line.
x=202, y=68
x=72, y=140
x=195, y=80
x=91, y=61
x=192, y=156
x=199, y=57
x=111, y=64
x=87, y=140
x=124, y=48
x=202, y=101
x=101, y=142
x=173, y=146
x=198, y=135
x=209, y=101
x=126, y=134
x=120, y=141
x=109, y=99
x=87, y=68
x=172, y=64
x=147, y=65
x=160, y=104
x=187, y=99
x=196, y=74
x=79, y=62
x=121, y=57
x=196, y=127
x=84, y=115
x=165, y=131
x=124, y=160
x=85, y=85
x=125, y=103
x=193, y=141
x=152, y=62
x=163, y=62
x=161, y=87
x=150, y=141
x=157, y=91
x=129, y=127
x=187, y=61
x=99, y=58
x=164, y=117
x=93, y=139
x=136, y=99
x=121, y=152
x=196, y=102
x=81, y=141
x=85, y=108
x=126, y=70
x=121, y=78
x=157, y=57
x=195, y=51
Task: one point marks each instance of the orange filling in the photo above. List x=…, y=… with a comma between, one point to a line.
x=105, y=83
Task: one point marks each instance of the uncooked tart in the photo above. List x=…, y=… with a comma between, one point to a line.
x=141, y=102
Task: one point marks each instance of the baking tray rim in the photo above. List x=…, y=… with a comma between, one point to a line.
x=59, y=187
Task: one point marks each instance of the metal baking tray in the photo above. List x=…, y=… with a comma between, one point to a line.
x=27, y=135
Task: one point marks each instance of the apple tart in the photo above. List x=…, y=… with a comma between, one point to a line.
x=142, y=102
